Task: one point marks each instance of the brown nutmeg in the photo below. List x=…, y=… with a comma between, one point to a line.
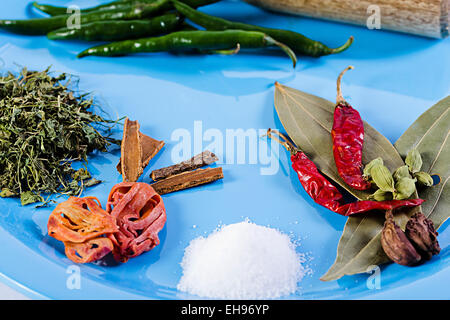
x=396, y=245
x=420, y=231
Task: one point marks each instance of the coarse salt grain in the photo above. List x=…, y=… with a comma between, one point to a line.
x=241, y=261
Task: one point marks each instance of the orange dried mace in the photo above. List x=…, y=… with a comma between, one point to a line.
x=136, y=152
x=81, y=224
x=130, y=225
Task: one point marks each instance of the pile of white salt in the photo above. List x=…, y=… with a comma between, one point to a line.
x=241, y=261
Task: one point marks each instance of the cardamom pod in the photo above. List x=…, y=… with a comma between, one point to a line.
x=414, y=160
x=369, y=166
x=420, y=231
x=404, y=188
x=396, y=245
x=381, y=195
x=382, y=177
x=402, y=172
x=424, y=179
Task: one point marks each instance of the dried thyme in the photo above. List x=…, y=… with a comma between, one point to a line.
x=44, y=127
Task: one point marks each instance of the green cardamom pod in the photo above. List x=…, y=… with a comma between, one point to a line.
x=381, y=195
x=404, y=188
x=369, y=166
x=382, y=177
x=402, y=172
x=414, y=160
x=424, y=179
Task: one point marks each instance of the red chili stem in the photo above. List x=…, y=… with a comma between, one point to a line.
x=339, y=97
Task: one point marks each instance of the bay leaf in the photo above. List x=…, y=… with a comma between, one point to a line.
x=308, y=120
x=429, y=134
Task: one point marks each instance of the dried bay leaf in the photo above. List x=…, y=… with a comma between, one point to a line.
x=429, y=134
x=308, y=120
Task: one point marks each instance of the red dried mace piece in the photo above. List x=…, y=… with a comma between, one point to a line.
x=140, y=214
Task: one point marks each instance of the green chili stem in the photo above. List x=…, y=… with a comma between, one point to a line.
x=283, y=47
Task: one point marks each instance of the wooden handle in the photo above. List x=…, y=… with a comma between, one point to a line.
x=428, y=18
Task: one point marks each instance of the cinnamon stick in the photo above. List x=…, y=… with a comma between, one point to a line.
x=187, y=180
x=200, y=160
x=150, y=147
x=131, y=150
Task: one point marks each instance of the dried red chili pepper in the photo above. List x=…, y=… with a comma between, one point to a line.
x=140, y=215
x=348, y=139
x=325, y=193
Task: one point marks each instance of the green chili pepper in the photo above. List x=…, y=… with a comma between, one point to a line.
x=56, y=11
x=296, y=41
x=119, y=4
x=119, y=30
x=185, y=40
x=43, y=26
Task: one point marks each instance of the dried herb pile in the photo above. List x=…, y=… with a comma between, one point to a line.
x=44, y=127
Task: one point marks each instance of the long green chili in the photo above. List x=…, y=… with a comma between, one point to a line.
x=183, y=40
x=42, y=26
x=119, y=30
x=296, y=41
x=119, y=4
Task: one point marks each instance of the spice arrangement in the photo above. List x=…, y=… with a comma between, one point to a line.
x=135, y=211
x=158, y=25
x=394, y=197
x=398, y=229
x=44, y=127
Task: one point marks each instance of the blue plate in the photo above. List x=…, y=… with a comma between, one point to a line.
x=195, y=99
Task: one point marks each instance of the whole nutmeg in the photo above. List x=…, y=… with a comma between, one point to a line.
x=396, y=245
x=420, y=231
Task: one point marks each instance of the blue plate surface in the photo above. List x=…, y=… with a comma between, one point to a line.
x=195, y=99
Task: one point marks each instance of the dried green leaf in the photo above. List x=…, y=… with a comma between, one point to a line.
x=44, y=127
x=429, y=135
x=308, y=120
x=29, y=197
